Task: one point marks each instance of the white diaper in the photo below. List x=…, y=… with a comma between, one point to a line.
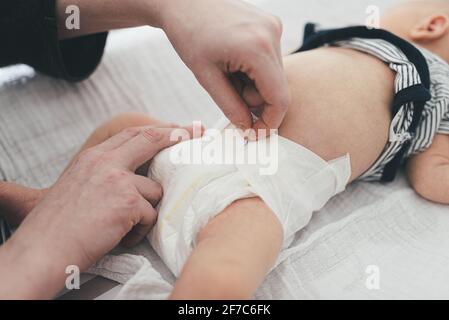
x=195, y=193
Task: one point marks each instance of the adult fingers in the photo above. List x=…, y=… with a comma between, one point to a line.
x=252, y=97
x=137, y=234
x=148, y=219
x=149, y=142
x=271, y=83
x=226, y=96
x=118, y=139
x=254, y=100
x=125, y=135
x=149, y=189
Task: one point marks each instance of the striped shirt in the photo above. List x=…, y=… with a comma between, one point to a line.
x=435, y=117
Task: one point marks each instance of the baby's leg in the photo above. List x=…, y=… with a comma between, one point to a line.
x=118, y=124
x=233, y=255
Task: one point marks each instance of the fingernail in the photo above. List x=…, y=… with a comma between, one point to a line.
x=252, y=135
x=153, y=135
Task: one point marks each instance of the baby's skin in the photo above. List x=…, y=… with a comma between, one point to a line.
x=338, y=109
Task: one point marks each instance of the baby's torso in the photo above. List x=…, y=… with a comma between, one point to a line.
x=341, y=101
x=345, y=100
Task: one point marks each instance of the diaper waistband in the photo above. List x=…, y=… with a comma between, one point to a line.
x=340, y=167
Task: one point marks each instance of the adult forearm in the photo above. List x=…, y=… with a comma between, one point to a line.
x=29, y=270
x=103, y=15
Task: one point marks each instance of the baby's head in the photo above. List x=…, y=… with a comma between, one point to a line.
x=424, y=22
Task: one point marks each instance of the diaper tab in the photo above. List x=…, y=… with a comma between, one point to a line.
x=328, y=182
x=342, y=169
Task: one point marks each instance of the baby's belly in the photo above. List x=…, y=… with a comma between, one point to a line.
x=341, y=102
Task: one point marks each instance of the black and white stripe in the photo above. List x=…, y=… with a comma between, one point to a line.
x=436, y=112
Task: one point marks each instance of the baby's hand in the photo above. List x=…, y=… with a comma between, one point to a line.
x=429, y=171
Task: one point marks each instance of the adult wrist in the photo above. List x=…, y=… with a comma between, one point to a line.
x=163, y=11
x=18, y=275
x=145, y=12
x=30, y=269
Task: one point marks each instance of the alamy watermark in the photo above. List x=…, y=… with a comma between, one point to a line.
x=372, y=281
x=373, y=17
x=72, y=282
x=229, y=146
x=73, y=20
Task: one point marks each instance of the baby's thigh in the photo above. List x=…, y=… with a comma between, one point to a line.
x=116, y=125
x=119, y=123
x=249, y=228
x=233, y=254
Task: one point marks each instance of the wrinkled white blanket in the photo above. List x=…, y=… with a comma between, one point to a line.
x=399, y=239
x=373, y=241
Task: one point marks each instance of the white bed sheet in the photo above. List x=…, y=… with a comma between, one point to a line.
x=406, y=239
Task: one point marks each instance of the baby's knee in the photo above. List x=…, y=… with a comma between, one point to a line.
x=132, y=119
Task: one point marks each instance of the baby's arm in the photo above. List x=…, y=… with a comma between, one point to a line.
x=429, y=171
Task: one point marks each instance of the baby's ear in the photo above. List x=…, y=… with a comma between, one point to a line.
x=431, y=28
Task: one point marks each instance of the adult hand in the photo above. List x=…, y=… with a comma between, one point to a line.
x=95, y=204
x=232, y=47
x=234, y=51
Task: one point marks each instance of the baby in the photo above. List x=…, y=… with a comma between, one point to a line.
x=363, y=102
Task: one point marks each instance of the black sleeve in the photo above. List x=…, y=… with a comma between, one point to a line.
x=28, y=34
